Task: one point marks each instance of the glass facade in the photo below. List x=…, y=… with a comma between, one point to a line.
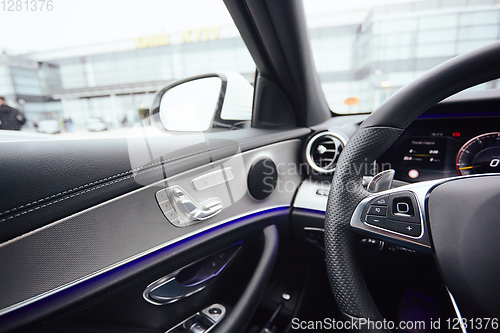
x=27, y=85
x=118, y=86
x=154, y=64
x=364, y=62
x=396, y=44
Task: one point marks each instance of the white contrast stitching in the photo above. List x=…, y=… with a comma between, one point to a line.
x=178, y=159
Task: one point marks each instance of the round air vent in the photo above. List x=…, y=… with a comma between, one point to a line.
x=323, y=151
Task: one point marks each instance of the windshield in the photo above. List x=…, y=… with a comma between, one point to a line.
x=366, y=50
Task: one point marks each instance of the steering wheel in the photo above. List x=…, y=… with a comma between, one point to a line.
x=457, y=219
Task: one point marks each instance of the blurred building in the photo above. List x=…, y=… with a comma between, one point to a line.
x=395, y=44
x=116, y=81
x=28, y=86
x=361, y=62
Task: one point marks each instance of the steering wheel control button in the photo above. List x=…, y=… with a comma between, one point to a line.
x=377, y=221
x=410, y=229
x=377, y=210
x=402, y=207
x=381, y=201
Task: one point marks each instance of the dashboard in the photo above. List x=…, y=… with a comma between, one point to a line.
x=458, y=136
x=450, y=139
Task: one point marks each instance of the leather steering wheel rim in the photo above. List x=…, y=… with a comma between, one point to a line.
x=375, y=135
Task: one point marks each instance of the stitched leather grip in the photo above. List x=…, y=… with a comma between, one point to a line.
x=346, y=193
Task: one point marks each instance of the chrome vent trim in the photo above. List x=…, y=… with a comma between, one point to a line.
x=323, y=151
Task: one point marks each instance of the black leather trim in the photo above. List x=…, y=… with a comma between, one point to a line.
x=44, y=181
x=346, y=192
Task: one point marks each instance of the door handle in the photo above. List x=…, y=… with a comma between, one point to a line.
x=192, y=210
x=190, y=279
x=171, y=291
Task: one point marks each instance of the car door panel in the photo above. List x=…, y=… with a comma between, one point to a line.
x=49, y=180
x=125, y=307
x=107, y=237
x=144, y=270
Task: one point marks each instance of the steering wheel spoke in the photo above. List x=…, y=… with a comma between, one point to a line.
x=396, y=215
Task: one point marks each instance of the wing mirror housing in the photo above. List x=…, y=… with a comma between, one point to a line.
x=203, y=103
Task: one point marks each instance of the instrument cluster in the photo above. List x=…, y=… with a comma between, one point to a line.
x=440, y=145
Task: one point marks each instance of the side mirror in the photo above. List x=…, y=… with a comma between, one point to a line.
x=200, y=103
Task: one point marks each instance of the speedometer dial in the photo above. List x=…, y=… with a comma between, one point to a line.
x=480, y=155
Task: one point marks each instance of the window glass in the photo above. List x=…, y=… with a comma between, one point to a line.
x=365, y=51
x=401, y=78
x=435, y=50
x=392, y=26
x=467, y=46
x=436, y=36
x=90, y=63
x=394, y=53
x=479, y=18
x=392, y=40
x=479, y=32
x=438, y=22
x=5, y=80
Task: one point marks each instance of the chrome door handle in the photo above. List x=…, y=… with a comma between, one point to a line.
x=192, y=210
x=190, y=279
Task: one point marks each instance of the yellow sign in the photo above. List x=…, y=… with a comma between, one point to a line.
x=151, y=41
x=187, y=36
x=199, y=35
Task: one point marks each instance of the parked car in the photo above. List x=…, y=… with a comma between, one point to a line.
x=96, y=125
x=49, y=126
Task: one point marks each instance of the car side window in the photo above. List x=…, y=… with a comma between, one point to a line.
x=101, y=79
